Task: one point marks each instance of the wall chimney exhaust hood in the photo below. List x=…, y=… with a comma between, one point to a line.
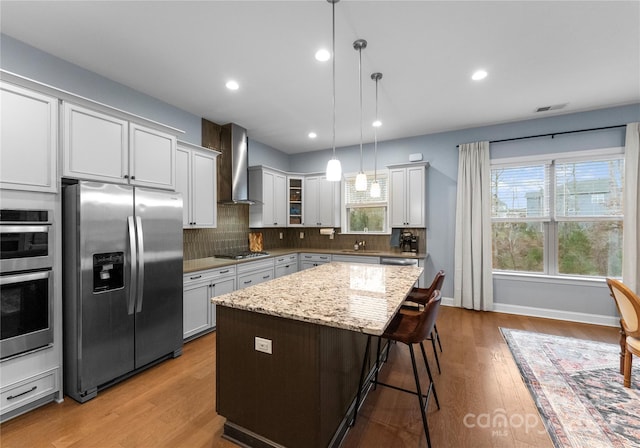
x=233, y=174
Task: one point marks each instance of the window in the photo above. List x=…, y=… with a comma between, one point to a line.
x=364, y=214
x=561, y=216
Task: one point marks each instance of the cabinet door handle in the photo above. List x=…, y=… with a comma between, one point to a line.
x=11, y=397
x=323, y=258
x=133, y=177
x=266, y=277
x=224, y=272
x=126, y=176
x=247, y=282
x=195, y=277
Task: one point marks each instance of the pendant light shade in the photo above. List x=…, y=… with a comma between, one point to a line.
x=375, y=189
x=375, y=186
x=334, y=170
x=334, y=167
x=361, y=178
x=361, y=182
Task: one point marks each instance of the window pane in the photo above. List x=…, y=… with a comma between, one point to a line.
x=590, y=248
x=370, y=218
x=592, y=188
x=520, y=192
x=518, y=246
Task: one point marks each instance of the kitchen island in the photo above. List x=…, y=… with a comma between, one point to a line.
x=289, y=351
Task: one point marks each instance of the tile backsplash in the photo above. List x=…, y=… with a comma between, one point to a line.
x=230, y=235
x=233, y=230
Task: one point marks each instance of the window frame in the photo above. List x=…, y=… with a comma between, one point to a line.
x=346, y=207
x=551, y=223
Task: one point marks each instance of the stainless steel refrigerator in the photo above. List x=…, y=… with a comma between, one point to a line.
x=122, y=283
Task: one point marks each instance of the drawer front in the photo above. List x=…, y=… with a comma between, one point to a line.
x=24, y=392
x=322, y=258
x=253, y=266
x=255, y=278
x=209, y=274
x=287, y=259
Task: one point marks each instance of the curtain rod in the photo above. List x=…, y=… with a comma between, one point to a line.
x=553, y=134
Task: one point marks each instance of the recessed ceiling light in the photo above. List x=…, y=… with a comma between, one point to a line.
x=312, y=135
x=478, y=75
x=376, y=124
x=323, y=55
x=232, y=85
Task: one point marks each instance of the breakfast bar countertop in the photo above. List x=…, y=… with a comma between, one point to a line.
x=351, y=296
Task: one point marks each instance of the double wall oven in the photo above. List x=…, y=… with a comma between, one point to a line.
x=26, y=280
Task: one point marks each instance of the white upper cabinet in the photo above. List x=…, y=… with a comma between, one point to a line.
x=29, y=139
x=269, y=187
x=322, y=202
x=407, y=195
x=152, y=157
x=196, y=180
x=103, y=147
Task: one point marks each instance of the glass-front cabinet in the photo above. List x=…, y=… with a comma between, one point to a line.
x=295, y=201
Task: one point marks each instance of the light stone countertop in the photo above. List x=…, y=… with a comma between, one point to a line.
x=201, y=264
x=351, y=296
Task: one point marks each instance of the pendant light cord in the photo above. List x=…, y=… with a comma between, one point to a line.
x=333, y=61
x=375, y=139
x=360, y=75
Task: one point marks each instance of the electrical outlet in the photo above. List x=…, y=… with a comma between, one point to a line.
x=281, y=235
x=301, y=235
x=263, y=345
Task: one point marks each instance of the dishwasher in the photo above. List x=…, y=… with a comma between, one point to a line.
x=399, y=261
x=403, y=262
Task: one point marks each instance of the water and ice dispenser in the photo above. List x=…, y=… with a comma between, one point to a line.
x=108, y=271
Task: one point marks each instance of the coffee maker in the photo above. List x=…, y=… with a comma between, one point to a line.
x=408, y=242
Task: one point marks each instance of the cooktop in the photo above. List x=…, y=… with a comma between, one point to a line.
x=241, y=255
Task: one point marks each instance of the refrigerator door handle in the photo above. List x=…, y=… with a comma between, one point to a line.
x=140, y=263
x=133, y=265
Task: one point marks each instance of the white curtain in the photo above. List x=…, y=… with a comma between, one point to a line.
x=631, y=232
x=473, y=281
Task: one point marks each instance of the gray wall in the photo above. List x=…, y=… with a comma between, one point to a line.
x=29, y=62
x=545, y=297
x=566, y=299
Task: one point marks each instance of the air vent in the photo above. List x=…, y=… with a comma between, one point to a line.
x=547, y=108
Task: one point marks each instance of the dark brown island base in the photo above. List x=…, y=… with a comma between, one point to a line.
x=290, y=351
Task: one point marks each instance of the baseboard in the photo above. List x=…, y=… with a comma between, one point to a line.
x=571, y=316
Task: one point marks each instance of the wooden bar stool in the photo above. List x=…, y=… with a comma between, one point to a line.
x=411, y=329
x=419, y=297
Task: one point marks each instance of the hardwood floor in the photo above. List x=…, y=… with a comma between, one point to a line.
x=173, y=404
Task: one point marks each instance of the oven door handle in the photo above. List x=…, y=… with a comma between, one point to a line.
x=27, y=277
x=22, y=229
x=133, y=265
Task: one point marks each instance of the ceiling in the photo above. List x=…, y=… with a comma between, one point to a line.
x=582, y=53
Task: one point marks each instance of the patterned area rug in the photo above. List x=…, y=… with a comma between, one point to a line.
x=578, y=389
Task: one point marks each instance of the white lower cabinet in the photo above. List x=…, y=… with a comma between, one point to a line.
x=286, y=264
x=310, y=260
x=16, y=395
x=255, y=272
x=199, y=314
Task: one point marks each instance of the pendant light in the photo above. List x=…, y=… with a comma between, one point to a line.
x=361, y=178
x=375, y=186
x=334, y=168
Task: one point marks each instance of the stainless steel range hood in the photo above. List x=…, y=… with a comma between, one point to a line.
x=233, y=175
